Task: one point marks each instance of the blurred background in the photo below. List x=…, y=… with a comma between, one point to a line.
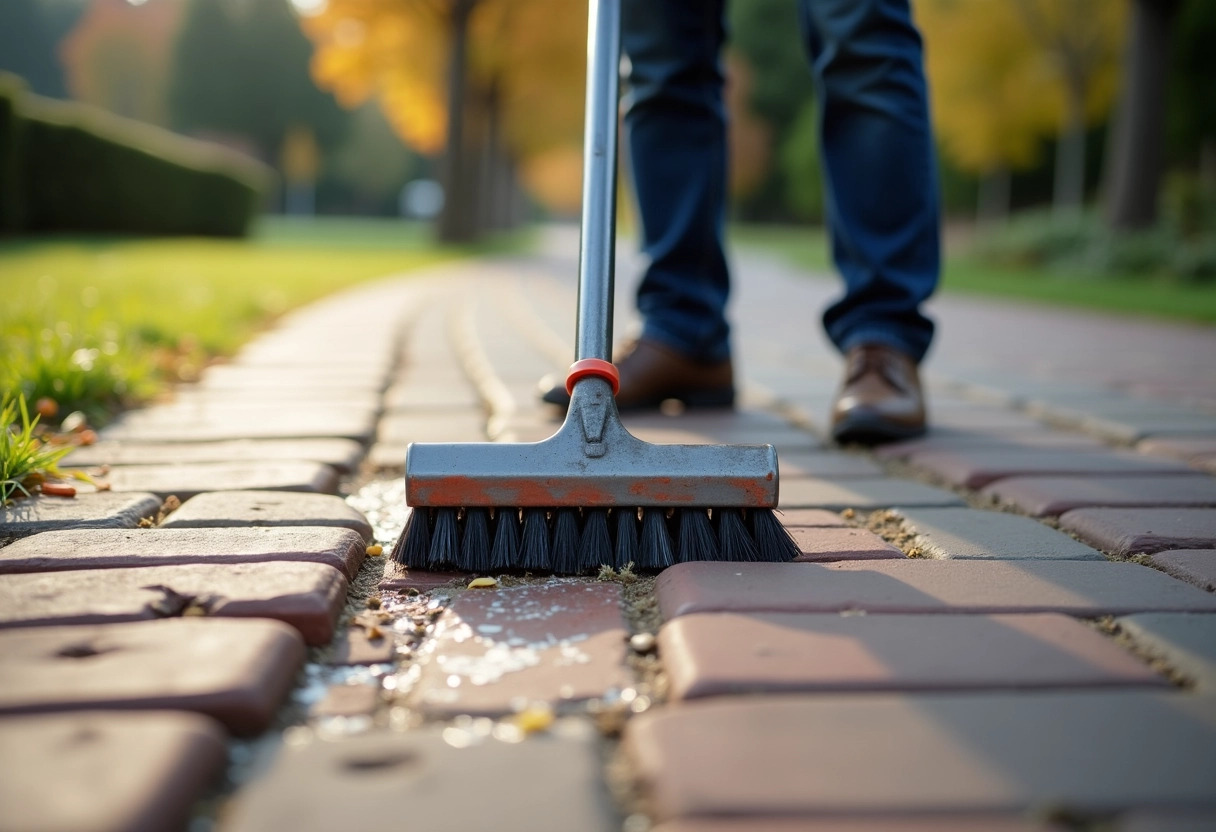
x=1077, y=142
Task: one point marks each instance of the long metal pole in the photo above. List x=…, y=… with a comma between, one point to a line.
x=597, y=250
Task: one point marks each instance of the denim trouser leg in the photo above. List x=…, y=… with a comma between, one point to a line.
x=878, y=158
x=677, y=143
x=879, y=167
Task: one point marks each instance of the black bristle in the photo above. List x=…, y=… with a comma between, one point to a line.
x=414, y=543
x=773, y=540
x=505, y=552
x=734, y=541
x=445, y=539
x=534, y=544
x=695, y=540
x=625, y=549
x=565, y=542
x=595, y=545
x=654, y=549
x=475, y=544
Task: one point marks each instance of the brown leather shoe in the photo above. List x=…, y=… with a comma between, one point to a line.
x=880, y=400
x=651, y=373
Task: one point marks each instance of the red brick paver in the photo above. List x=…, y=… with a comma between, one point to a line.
x=918, y=586
x=1043, y=496
x=975, y=468
x=827, y=544
x=307, y=596
x=860, y=494
x=496, y=651
x=234, y=671
x=719, y=654
x=99, y=771
x=1187, y=642
x=459, y=778
x=187, y=480
x=924, y=754
x=1196, y=566
x=1129, y=531
x=342, y=549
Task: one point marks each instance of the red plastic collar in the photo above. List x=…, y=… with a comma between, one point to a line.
x=597, y=367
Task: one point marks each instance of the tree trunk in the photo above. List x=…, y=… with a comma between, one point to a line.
x=994, y=196
x=457, y=222
x=1068, y=189
x=1134, y=163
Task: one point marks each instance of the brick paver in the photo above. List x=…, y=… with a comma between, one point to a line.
x=810, y=517
x=860, y=494
x=234, y=671
x=1043, y=496
x=307, y=596
x=824, y=464
x=1127, y=531
x=828, y=544
x=102, y=771
x=719, y=654
x=454, y=778
x=954, y=441
x=936, y=823
x=917, y=586
x=190, y=479
x=342, y=454
x=342, y=549
x=1197, y=566
x=495, y=649
x=348, y=701
x=975, y=468
x=924, y=754
x=267, y=423
x=267, y=508
x=100, y=510
x=355, y=647
x=964, y=533
x=1186, y=642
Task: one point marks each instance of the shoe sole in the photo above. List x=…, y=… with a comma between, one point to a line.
x=872, y=430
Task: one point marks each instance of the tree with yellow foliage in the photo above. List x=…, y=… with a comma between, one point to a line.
x=1006, y=73
x=490, y=84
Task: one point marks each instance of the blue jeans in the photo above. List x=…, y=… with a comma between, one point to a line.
x=877, y=152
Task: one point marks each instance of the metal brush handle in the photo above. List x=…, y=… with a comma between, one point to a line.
x=597, y=247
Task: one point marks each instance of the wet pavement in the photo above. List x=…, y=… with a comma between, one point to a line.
x=1007, y=625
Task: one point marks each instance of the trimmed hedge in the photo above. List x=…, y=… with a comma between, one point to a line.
x=69, y=167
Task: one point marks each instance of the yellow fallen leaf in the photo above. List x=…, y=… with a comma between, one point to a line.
x=533, y=719
x=375, y=550
x=483, y=583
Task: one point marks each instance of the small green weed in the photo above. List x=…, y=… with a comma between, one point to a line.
x=26, y=461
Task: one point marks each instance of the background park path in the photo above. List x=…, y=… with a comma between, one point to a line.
x=1007, y=625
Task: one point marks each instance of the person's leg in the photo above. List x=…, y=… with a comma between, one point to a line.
x=676, y=135
x=880, y=170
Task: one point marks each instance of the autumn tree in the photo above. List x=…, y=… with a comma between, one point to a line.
x=488, y=85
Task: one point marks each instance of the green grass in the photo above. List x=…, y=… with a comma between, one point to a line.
x=98, y=323
x=25, y=460
x=1158, y=297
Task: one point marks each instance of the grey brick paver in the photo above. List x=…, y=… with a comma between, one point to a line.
x=965, y=533
x=1044, y=496
x=920, y=586
x=347, y=701
x=951, y=441
x=451, y=779
x=236, y=672
x=266, y=508
x=99, y=510
x=720, y=654
x=187, y=480
x=558, y=642
x=1196, y=566
x=403, y=428
x=1128, y=531
x=825, y=464
x=102, y=771
x=340, y=548
x=967, y=822
x=846, y=755
x=307, y=596
x=1187, y=643
x=861, y=494
x=332, y=421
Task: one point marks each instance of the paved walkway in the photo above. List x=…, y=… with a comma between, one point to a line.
x=1007, y=625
